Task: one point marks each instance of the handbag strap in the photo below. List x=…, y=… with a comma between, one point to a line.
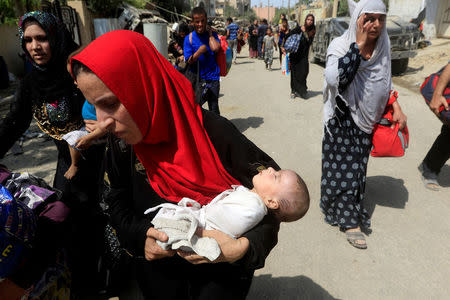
x=198, y=63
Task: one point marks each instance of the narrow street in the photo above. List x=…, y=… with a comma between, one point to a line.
x=408, y=252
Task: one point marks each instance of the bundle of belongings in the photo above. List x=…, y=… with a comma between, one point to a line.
x=31, y=265
x=427, y=90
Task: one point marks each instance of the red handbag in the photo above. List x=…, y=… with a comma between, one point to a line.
x=387, y=141
x=222, y=60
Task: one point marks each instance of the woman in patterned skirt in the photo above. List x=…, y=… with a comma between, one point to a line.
x=357, y=86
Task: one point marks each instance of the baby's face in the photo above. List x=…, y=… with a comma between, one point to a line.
x=272, y=184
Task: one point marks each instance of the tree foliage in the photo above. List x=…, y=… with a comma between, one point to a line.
x=12, y=10
x=250, y=15
x=172, y=5
x=278, y=12
x=343, y=7
x=230, y=11
x=110, y=8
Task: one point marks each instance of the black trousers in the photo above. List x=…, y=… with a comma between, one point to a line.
x=175, y=278
x=211, y=89
x=440, y=151
x=281, y=53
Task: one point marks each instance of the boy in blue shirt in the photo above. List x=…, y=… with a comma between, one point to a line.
x=232, y=34
x=200, y=49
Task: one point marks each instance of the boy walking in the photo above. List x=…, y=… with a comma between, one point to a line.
x=232, y=37
x=200, y=49
x=268, y=47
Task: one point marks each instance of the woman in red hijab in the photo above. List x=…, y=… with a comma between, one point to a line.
x=185, y=152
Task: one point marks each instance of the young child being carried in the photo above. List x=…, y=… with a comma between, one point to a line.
x=82, y=139
x=268, y=47
x=235, y=211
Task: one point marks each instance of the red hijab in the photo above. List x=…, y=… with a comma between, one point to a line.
x=176, y=151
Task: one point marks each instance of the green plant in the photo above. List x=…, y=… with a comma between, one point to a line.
x=278, y=12
x=12, y=10
x=250, y=15
x=230, y=11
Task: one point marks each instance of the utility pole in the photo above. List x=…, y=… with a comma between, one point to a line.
x=268, y=12
x=335, y=8
x=289, y=9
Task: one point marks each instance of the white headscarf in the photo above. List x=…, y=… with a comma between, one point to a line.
x=368, y=93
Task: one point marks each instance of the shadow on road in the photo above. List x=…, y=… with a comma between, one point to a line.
x=444, y=176
x=312, y=94
x=298, y=287
x=385, y=191
x=244, y=62
x=408, y=71
x=244, y=124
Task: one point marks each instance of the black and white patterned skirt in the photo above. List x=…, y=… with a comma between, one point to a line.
x=345, y=154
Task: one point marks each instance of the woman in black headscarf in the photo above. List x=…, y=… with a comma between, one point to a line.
x=299, y=63
x=49, y=95
x=253, y=39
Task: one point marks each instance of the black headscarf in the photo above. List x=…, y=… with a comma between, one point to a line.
x=50, y=81
x=313, y=26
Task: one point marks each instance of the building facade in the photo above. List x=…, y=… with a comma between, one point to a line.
x=208, y=5
x=242, y=6
x=266, y=12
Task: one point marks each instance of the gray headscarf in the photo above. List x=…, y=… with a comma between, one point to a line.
x=368, y=93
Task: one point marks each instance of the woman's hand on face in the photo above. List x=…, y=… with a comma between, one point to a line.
x=231, y=249
x=362, y=31
x=398, y=116
x=152, y=250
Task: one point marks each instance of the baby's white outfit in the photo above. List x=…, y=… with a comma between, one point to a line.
x=234, y=212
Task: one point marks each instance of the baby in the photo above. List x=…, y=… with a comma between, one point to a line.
x=235, y=211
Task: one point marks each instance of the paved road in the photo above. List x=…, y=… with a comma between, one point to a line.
x=409, y=250
x=408, y=255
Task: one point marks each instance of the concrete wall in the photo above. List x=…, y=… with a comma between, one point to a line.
x=405, y=8
x=85, y=21
x=436, y=9
x=9, y=48
x=263, y=12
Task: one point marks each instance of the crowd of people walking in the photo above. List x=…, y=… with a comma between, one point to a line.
x=156, y=146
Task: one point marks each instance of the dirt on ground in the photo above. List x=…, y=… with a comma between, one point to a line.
x=428, y=60
x=406, y=256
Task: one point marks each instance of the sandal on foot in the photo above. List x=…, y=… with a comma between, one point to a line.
x=429, y=179
x=354, y=236
x=430, y=184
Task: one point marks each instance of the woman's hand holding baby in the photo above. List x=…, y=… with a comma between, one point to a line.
x=152, y=250
x=231, y=249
